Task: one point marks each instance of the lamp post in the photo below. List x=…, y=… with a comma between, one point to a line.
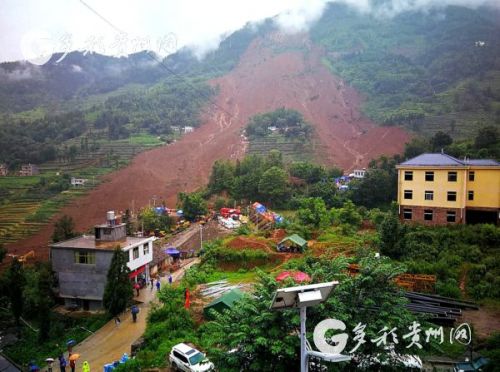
x=303, y=297
x=201, y=234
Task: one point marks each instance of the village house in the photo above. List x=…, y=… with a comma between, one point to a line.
x=81, y=264
x=358, y=173
x=78, y=181
x=29, y=170
x=438, y=189
x=3, y=169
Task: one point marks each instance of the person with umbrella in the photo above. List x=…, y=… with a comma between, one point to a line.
x=72, y=361
x=135, y=311
x=62, y=363
x=49, y=361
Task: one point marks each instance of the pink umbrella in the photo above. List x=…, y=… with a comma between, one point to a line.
x=297, y=276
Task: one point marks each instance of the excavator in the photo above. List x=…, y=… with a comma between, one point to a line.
x=23, y=258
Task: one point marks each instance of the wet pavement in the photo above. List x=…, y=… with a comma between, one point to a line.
x=111, y=341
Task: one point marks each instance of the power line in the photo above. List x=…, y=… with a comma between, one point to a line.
x=153, y=56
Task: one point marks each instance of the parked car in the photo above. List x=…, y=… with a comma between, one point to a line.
x=186, y=358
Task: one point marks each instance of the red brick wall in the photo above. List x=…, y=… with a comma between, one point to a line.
x=438, y=218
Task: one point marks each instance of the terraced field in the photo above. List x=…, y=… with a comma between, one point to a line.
x=291, y=150
x=22, y=214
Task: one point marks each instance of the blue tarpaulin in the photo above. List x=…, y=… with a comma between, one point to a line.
x=160, y=210
x=172, y=251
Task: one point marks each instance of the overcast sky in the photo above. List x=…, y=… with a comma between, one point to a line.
x=29, y=28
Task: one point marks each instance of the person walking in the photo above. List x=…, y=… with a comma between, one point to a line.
x=152, y=284
x=62, y=363
x=170, y=279
x=117, y=321
x=72, y=364
x=158, y=284
x=86, y=367
x=137, y=287
x=134, y=311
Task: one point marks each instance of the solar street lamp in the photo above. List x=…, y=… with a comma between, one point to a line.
x=302, y=297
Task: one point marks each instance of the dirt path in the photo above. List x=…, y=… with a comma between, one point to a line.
x=264, y=80
x=111, y=341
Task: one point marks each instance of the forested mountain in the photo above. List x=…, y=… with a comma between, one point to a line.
x=429, y=71
x=434, y=70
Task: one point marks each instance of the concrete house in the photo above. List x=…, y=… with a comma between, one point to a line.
x=29, y=170
x=81, y=264
x=77, y=181
x=3, y=170
x=438, y=189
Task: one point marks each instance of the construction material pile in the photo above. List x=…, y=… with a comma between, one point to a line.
x=264, y=218
x=217, y=289
x=441, y=310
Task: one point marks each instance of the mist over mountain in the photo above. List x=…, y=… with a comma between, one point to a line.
x=415, y=61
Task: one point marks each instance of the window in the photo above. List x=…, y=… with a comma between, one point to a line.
x=471, y=195
x=181, y=357
x=145, y=249
x=428, y=214
x=407, y=214
x=85, y=257
x=452, y=176
x=450, y=216
x=429, y=195
x=471, y=176
x=452, y=196
x=135, y=253
x=429, y=176
x=408, y=194
x=408, y=175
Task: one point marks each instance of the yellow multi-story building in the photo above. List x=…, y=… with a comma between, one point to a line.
x=439, y=189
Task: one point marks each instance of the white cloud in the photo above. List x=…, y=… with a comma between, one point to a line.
x=200, y=24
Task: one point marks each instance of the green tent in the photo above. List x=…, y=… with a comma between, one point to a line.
x=226, y=301
x=293, y=241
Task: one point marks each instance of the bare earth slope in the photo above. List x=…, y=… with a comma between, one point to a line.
x=264, y=80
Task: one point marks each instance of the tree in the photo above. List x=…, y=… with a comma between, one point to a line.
x=274, y=159
x=391, y=233
x=377, y=188
x=313, y=212
x=274, y=185
x=440, y=140
x=266, y=340
x=486, y=137
x=347, y=215
x=16, y=280
x=222, y=177
x=118, y=292
x=64, y=229
x=3, y=252
x=193, y=205
x=416, y=147
x=127, y=220
x=44, y=301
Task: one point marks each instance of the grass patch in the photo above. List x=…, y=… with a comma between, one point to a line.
x=63, y=329
x=147, y=140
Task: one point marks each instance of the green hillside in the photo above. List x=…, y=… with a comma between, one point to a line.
x=428, y=71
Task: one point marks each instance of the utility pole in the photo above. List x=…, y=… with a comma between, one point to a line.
x=201, y=236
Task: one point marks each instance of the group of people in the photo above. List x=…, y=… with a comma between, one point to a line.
x=157, y=284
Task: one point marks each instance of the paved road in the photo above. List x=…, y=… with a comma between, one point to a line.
x=111, y=341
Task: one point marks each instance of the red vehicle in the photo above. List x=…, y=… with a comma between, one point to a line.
x=230, y=212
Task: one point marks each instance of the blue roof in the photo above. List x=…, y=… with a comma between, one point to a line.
x=446, y=160
x=482, y=162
